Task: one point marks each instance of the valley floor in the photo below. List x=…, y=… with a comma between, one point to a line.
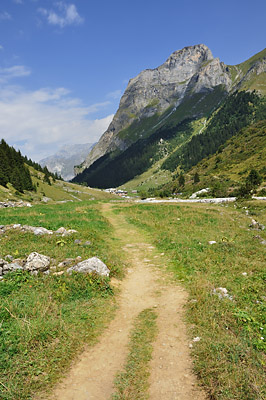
x=146, y=286
x=187, y=321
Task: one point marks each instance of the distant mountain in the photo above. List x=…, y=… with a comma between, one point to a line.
x=164, y=108
x=68, y=156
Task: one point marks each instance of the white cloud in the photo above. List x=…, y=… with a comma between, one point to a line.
x=18, y=1
x=16, y=71
x=1, y=47
x=39, y=122
x=5, y=16
x=67, y=14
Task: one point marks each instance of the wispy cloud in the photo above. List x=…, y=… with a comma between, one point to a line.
x=65, y=15
x=16, y=71
x=5, y=16
x=1, y=47
x=39, y=122
x=18, y=1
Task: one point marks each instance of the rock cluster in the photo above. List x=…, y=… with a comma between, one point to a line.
x=7, y=204
x=36, y=263
x=37, y=230
x=5, y=267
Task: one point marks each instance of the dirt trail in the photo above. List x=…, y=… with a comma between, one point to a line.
x=145, y=286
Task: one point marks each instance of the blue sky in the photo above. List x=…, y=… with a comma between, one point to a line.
x=65, y=64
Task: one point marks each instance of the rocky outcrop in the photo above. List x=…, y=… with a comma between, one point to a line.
x=38, y=263
x=187, y=71
x=38, y=231
x=12, y=204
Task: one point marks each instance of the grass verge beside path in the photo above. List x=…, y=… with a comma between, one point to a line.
x=46, y=320
x=132, y=383
x=230, y=352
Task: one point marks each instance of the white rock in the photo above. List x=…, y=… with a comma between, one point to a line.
x=72, y=231
x=90, y=265
x=42, y=231
x=212, y=242
x=222, y=293
x=196, y=339
x=37, y=262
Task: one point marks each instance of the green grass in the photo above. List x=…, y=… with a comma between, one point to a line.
x=57, y=191
x=246, y=65
x=230, y=358
x=132, y=383
x=83, y=217
x=46, y=320
x=237, y=157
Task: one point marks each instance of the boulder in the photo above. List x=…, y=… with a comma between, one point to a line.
x=42, y=231
x=37, y=262
x=90, y=265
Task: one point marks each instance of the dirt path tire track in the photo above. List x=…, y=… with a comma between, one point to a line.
x=91, y=376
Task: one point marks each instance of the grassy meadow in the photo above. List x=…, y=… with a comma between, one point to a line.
x=230, y=356
x=46, y=320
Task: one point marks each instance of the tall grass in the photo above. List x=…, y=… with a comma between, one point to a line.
x=230, y=357
x=46, y=320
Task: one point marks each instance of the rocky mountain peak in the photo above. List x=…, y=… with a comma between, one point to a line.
x=191, y=55
x=190, y=70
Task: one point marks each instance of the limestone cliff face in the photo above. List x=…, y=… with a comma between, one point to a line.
x=187, y=71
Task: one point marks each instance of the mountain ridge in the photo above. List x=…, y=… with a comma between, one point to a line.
x=154, y=90
x=66, y=158
x=208, y=82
